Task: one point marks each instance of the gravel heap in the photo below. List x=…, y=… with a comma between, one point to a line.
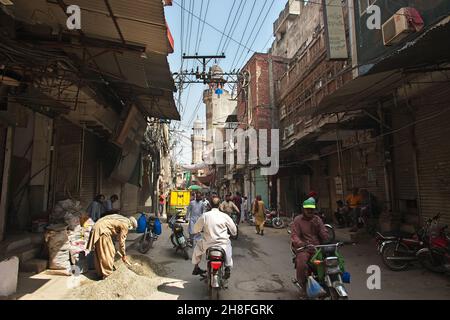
x=137, y=282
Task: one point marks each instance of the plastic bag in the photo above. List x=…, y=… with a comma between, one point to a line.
x=157, y=227
x=346, y=277
x=313, y=288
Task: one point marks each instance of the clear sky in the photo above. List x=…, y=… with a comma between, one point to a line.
x=250, y=24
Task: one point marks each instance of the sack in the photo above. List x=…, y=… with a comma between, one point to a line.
x=157, y=227
x=58, y=246
x=313, y=288
x=142, y=224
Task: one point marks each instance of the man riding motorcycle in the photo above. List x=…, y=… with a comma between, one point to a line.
x=307, y=228
x=215, y=226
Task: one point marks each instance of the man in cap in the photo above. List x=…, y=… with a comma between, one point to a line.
x=308, y=229
x=216, y=226
x=101, y=240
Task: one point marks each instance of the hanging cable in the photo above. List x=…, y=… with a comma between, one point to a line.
x=250, y=35
x=234, y=24
x=203, y=26
x=226, y=25
x=257, y=33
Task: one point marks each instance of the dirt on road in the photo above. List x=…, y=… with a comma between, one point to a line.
x=136, y=282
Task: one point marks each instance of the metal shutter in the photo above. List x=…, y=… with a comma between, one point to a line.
x=89, y=170
x=434, y=155
x=68, y=156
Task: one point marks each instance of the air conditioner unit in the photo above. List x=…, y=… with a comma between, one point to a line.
x=396, y=27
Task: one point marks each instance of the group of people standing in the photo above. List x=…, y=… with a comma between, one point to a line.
x=101, y=207
x=361, y=208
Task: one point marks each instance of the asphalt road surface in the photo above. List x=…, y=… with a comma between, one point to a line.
x=263, y=270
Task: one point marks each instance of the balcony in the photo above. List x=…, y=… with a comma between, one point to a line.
x=290, y=11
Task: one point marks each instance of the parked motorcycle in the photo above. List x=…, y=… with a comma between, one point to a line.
x=436, y=255
x=215, y=257
x=273, y=219
x=399, y=251
x=235, y=217
x=177, y=237
x=146, y=242
x=327, y=268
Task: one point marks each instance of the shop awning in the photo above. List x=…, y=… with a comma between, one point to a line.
x=388, y=71
x=139, y=23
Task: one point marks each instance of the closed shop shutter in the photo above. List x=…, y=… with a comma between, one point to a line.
x=3, y=131
x=404, y=171
x=434, y=154
x=68, y=156
x=89, y=171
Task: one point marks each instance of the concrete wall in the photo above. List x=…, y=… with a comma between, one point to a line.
x=298, y=31
x=40, y=165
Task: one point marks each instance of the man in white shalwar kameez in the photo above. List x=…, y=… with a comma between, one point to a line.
x=215, y=226
x=194, y=211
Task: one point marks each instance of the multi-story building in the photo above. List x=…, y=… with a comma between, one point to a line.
x=75, y=104
x=363, y=106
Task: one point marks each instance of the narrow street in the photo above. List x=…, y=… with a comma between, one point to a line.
x=263, y=271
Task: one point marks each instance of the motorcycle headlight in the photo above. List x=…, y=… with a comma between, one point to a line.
x=331, y=262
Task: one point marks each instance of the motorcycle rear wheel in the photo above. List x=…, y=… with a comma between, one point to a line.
x=173, y=240
x=278, y=223
x=432, y=262
x=214, y=293
x=145, y=243
x=185, y=254
x=390, y=250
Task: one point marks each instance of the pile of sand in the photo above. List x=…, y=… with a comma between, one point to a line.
x=137, y=282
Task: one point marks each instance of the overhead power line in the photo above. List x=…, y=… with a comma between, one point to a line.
x=226, y=25
x=250, y=35
x=203, y=27
x=234, y=23
x=212, y=27
x=257, y=33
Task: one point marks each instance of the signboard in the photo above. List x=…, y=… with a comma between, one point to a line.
x=336, y=40
x=338, y=184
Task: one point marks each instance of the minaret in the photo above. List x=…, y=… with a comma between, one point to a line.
x=197, y=142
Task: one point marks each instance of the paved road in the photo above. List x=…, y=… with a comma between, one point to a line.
x=263, y=270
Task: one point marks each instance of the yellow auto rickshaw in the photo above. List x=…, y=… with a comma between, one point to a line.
x=178, y=203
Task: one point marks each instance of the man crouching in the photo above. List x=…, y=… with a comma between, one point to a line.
x=215, y=226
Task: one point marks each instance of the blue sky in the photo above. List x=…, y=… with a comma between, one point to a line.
x=244, y=16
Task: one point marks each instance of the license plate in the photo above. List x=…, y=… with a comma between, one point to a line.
x=181, y=240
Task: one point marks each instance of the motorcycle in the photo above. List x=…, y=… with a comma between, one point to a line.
x=215, y=257
x=146, y=242
x=436, y=255
x=177, y=237
x=273, y=219
x=235, y=217
x=327, y=268
x=397, y=252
